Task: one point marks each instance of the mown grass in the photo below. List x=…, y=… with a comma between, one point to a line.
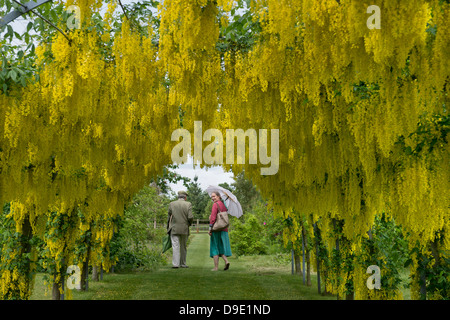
x=265, y=277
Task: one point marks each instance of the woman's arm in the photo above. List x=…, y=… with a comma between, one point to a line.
x=213, y=217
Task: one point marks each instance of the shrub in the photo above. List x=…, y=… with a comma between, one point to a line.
x=137, y=246
x=247, y=236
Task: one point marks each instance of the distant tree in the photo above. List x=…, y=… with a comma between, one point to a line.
x=207, y=211
x=197, y=197
x=169, y=176
x=245, y=191
x=226, y=186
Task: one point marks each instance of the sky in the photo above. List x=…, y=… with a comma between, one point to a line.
x=206, y=176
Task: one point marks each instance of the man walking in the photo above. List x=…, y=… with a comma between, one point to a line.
x=179, y=220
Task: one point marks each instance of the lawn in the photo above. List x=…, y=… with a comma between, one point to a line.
x=265, y=277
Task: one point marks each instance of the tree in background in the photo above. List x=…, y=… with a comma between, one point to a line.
x=169, y=176
x=198, y=198
x=257, y=231
x=245, y=191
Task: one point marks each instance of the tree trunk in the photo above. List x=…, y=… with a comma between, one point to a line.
x=298, y=268
x=85, y=271
x=308, y=268
x=25, y=250
x=56, y=295
x=307, y=257
x=94, y=273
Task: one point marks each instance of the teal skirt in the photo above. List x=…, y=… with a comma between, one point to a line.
x=219, y=244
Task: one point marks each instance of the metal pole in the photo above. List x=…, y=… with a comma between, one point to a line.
x=317, y=258
x=63, y=273
x=62, y=285
x=303, y=253
x=292, y=259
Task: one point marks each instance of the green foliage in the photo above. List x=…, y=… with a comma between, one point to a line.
x=257, y=231
x=246, y=237
x=245, y=191
x=272, y=228
x=242, y=31
x=387, y=249
x=142, y=14
x=198, y=198
x=12, y=243
x=436, y=272
x=438, y=284
x=137, y=245
x=169, y=176
x=17, y=50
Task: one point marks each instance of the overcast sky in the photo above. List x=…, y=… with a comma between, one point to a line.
x=206, y=176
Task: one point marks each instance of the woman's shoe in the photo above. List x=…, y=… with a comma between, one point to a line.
x=226, y=266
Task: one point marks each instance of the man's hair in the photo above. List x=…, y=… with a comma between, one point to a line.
x=181, y=196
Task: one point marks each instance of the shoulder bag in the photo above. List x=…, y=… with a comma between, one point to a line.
x=222, y=221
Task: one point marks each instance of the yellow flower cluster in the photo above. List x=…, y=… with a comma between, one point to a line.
x=85, y=138
x=344, y=96
x=349, y=102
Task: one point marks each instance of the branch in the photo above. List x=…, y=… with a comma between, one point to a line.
x=46, y=20
x=123, y=9
x=133, y=22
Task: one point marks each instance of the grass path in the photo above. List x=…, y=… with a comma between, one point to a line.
x=248, y=278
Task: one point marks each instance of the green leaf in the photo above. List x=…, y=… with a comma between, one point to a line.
x=10, y=32
x=408, y=150
x=13, y=75
x=18, y=36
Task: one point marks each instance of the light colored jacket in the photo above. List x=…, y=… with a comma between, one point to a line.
x=182, y=217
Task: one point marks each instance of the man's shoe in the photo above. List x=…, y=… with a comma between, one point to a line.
x=174, y=267
x=184, y=266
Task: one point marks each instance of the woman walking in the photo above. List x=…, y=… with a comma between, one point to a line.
x=219, y=242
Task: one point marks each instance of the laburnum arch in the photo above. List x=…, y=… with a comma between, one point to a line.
x=362, y=117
